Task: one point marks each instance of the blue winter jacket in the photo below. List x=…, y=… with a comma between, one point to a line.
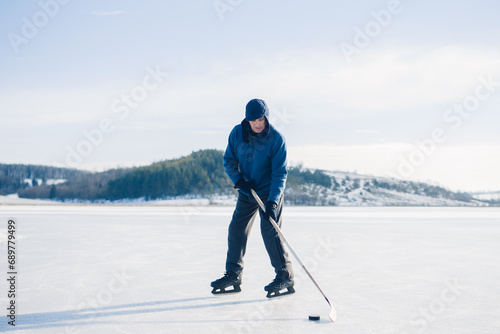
x=258, y=158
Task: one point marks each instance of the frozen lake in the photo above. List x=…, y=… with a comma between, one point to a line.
x=122, y=269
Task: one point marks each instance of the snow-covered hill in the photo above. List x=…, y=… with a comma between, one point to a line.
x=159, y=184
x=351, y=189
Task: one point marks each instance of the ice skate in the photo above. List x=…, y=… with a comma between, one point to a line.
x=229, y=279
x=274, y=289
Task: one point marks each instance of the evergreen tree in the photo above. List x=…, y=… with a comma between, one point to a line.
x=53, y=192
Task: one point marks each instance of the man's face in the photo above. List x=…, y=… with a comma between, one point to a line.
x=258, y=125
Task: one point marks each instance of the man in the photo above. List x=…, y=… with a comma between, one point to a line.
x=255, y=158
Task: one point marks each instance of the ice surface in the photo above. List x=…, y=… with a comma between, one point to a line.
x=147, y=269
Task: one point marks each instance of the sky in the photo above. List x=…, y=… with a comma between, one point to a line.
x=405, y=89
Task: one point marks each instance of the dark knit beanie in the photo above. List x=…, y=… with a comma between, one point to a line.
x=256, y=109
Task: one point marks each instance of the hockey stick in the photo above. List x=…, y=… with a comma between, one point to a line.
x=333, y=312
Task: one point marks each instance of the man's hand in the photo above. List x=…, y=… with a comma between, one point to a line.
x=271, y=211
x=243, y=185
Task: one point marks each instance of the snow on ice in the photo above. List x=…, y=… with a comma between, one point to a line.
x=147, y=269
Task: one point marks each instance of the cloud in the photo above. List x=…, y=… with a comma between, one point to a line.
x=386, y=82
x=116, y=12
x=369, y=131
x=410, y=79
x=38, y=108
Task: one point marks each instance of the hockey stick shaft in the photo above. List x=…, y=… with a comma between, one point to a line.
x=333, y=312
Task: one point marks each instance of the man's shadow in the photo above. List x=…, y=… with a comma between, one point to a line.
x=93, y=316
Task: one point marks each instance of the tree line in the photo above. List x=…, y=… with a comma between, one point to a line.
x=13, y=176
x=200, y=173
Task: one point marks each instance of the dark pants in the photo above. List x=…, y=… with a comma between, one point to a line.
x=239, y=229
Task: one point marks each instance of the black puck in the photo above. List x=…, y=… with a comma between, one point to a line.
x=314, y=317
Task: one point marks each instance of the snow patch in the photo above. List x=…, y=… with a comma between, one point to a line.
x=48, y=182
x=13, y=199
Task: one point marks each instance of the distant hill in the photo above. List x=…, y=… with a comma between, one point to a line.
x=352, y=189
x=16, y=177
x=201, y=174
x=44, y=182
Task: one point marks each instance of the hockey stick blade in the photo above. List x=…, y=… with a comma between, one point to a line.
x=333, y=313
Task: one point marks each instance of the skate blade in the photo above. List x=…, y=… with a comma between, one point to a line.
x=218, y=291
x=274, y=294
